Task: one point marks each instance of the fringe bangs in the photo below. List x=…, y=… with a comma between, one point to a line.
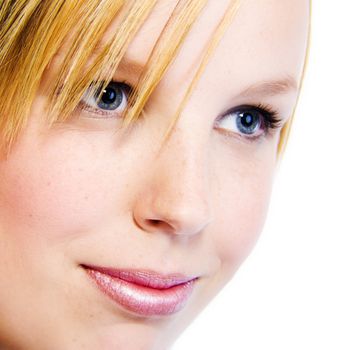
x=35, y=33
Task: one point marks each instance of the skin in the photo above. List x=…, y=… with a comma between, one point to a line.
x=83, y=193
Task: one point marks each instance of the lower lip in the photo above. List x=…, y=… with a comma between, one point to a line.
x=141, y=300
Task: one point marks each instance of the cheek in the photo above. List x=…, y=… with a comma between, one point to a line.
x=242, y=207
x=242, y=228
x=57, y=191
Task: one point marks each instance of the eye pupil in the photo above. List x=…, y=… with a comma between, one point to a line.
x=248, y=122
x=109, y=95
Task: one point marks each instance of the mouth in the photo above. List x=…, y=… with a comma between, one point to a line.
x=142, y=292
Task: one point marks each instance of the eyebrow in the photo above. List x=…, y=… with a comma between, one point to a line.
x=270, y=88
x=131, y=67
x=128, y=65
x=265, y=88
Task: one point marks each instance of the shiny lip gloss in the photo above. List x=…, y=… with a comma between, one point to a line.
x=145, y=293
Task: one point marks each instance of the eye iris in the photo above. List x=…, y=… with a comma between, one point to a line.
x=111, y=98
x=248, y=122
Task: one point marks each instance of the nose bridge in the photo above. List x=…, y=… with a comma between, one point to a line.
x=177, y=194
x=182, y=163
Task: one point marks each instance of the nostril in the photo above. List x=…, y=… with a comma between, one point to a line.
x=176, y=222
x=159, y=225
x=167, y=209
x=154, y=222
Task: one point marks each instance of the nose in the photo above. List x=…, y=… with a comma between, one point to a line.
x=175, y=197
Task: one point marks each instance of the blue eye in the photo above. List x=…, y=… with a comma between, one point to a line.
x=112, y=97
x=249, y=121
x=113, y=100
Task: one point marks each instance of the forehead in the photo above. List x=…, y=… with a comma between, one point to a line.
x=266, y=38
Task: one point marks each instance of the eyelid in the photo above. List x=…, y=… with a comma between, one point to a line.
x=126, y=86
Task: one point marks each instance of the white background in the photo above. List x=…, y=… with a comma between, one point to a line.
x=293, y=292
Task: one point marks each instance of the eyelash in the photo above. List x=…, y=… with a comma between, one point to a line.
x=271, y=117
x=269, y=120
x=268, y=117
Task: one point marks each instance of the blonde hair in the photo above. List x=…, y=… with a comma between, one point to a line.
x=286, y=130
x=32, y=33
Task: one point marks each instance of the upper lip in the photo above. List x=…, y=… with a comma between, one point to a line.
x=146, y=278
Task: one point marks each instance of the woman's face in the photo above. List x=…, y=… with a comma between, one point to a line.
x=82, y=201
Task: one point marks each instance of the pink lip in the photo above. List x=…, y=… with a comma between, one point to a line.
x=145, y=293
